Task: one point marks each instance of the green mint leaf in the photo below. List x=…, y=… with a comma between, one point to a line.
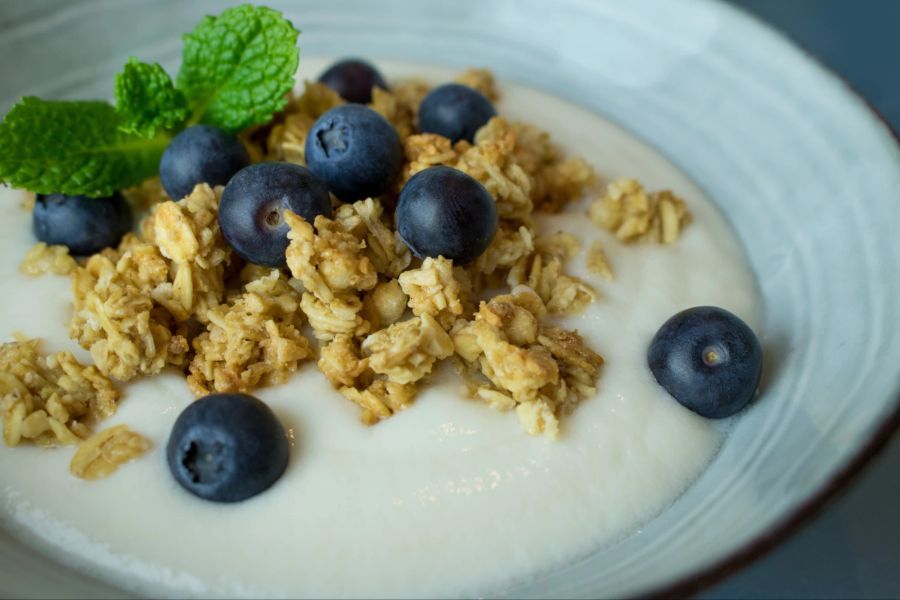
x=237, y=68
x=74, y=148
x=146, y=99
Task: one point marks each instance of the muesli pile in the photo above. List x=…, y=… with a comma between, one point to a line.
x=238, y=298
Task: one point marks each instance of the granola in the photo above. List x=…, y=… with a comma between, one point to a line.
x=385, y=304
x=636, y=216
x=341, y=361
x=385, y=250
x=147, y=195
x=328, y=260
x=400, y=105
x=379, y=397
x=50, y=399
x=542, y=372
x=43, y=259
x=425, y=150
x=381, y=373
x=251, y=341
x=187, y=233
x=406, y=351
x=101, y=454
x=597, y=262
x=174, y=295
x=493, y=164
x=433, y=289
x=343, y=314
x=555, y=179
x=380, y=400
x=481, y=80
x=563, y=294
x=132, y=304
x=116, y=318
x=542, y=271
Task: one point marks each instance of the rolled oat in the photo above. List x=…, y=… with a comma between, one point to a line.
x=103, y=453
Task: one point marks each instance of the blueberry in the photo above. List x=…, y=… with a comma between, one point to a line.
x=354, y=151
x=227, y=448
x=85, y=225
x=708, y=359
x=200, y=154
x=251, y=213
x=445, y=212
x=353, y=80
x=454, y=111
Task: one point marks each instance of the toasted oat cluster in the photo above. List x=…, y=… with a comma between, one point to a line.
x=43, y=259
x=101, y=454
x=381, y=373
x=176, y=296
x=52, y=399
x=522, y=363
x=542, y=271
x=147, y=195
x=433, y=289
x=636, y=216
x=481, y=80
x=251, y=340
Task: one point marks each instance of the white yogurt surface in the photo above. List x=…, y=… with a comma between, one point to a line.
x=448, y=497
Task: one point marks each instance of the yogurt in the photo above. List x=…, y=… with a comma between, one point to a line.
x=446, y=498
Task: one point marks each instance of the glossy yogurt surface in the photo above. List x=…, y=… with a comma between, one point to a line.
x=448, y=497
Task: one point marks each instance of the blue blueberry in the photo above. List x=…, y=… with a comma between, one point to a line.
x=708, y=359
x=251, y=213
x=227, y=448
x=445, y=212
x=200, y=154
x=455, y=111
x=354, y=151
x=353, y=80
x=85, y=225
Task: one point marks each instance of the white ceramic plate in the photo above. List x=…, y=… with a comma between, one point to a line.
x=808, y=177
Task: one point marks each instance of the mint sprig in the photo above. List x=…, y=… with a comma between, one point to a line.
x=75, y=148
x=236, y=71
x=238, y=67
x=146, y=99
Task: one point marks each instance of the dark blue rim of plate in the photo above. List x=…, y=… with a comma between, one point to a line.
x=813, y=506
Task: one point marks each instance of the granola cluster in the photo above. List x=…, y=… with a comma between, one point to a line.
x=540, y=371
x=42, y=259
x=346, y=267
x=51, y=399
x=525, y=173
x=251, y=340
x=633, y=215
x=380, y=373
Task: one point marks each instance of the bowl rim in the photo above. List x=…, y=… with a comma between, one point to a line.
x=815, y=504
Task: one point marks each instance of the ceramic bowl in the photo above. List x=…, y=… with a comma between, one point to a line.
x=805, y=173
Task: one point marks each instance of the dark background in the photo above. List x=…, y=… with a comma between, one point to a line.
x=853, y=549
